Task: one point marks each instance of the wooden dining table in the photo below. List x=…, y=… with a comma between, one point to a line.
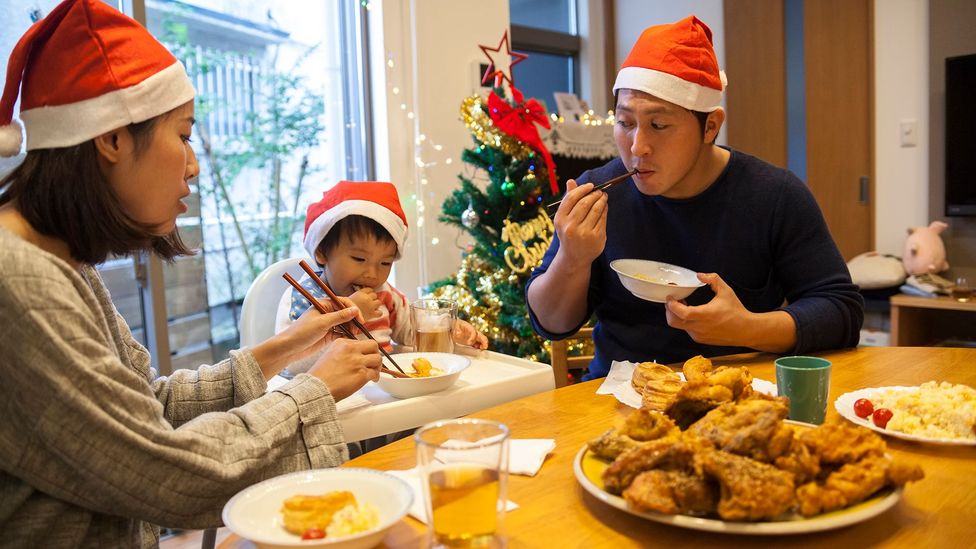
x=555, y=511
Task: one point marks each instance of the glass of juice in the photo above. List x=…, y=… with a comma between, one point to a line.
x=433, y=320
x=464, y=470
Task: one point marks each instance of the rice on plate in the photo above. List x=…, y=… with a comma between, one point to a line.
x=936, y=410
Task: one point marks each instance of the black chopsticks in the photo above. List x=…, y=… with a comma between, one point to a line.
x=603, y=186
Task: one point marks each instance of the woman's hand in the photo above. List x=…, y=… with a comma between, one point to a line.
x=308, y=335
x=466, y=334
x=368, y=302
x=346, y=365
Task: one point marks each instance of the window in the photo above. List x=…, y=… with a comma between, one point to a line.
x=280, y=119
x=547, y=31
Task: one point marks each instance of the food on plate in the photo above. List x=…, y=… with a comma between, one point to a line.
x=937, y=410
x=881, y=417
x=638, y=428
x=654, y=279
x=863, y=408
x=696, y=368
x=742, y=462
x=329, y=515
x=697, y=398
x=423, y=368
x=656, y=383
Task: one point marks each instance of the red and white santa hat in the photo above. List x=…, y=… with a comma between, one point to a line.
x=375, y=200
x=84, y=70
x=675, y=62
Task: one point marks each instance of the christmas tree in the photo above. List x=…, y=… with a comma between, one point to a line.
x=506, y=218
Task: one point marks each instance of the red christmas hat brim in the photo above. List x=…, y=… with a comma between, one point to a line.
x=74, y=123
x=322, y=224
x=671, y=88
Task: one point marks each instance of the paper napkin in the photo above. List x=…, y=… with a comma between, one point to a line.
x=525, y=455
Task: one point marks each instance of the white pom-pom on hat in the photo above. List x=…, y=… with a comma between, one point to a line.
x=11, y=139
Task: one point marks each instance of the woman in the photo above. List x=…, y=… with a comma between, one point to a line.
x=94, y=447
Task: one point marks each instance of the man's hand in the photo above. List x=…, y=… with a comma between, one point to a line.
x=725, y=321
x=581, y=223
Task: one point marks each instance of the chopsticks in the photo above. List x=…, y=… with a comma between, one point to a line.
x=603, y=186
x=343, y=327
x=335, y=300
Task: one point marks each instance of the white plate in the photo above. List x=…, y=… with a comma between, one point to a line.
x=791, y=524
x=255, y=512
x=845, y=407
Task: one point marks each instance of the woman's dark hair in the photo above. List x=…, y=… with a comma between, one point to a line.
x=62, y=193
x=350, y=226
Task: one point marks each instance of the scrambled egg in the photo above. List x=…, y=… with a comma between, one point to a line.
x=936, y=410
x=423, y=368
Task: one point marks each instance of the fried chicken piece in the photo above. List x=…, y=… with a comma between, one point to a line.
x=638, y=428
x=737, y=380
x=855, y=482
x=751, y=428
x=838, y=441
x=750, y=490
x=644, y=424
x=696, y=368
x=694, y=400
x=798, y=460
x=672, y=492
x=666, y=454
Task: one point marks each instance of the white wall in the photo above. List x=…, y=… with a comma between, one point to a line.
x=901, y=75
x=432, y=46
x=631, y=17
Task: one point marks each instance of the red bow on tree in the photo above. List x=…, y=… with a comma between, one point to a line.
x=519, y=122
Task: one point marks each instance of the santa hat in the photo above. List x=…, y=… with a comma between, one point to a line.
x=377, y=201
x=677, y=63
x=84, y=70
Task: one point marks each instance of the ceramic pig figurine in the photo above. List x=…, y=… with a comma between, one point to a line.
x=924, y=250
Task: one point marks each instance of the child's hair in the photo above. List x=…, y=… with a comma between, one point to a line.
x=62, y=193
x=352, y=226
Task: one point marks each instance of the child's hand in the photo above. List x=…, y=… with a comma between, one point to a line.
x=368, y=302
x=466, y=334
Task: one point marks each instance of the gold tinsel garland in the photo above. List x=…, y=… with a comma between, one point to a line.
x=474, y=111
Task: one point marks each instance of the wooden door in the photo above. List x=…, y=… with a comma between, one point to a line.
x=838, y=37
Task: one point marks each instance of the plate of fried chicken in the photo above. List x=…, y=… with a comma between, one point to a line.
x=738, y=466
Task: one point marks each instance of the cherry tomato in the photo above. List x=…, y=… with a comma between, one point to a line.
x=863, y=407
x=881, y=417
x=313, y=533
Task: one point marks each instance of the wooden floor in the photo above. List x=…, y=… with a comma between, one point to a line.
x=191, y=539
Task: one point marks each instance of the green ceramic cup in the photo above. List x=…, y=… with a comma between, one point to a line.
x=805, y=380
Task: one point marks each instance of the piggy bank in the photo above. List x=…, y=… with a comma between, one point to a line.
x=924, y=250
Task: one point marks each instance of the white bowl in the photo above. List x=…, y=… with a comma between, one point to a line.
x=407, y=387
x=255, y=512
x=662, y=280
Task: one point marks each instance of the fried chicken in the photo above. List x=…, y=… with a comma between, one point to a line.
x=839, y=441
x=672, y=492
x=694, y=400
x=850, y=484
x=638, y=428
x=750, y=490
x=696, y=368
x=798, y=460
x=666, y=454
x=751, y=428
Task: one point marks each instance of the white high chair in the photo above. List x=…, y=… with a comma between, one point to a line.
x=261, y=301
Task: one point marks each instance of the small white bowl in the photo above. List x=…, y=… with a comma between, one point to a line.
x=406, y=387
x=255, y=512
x=662, y=279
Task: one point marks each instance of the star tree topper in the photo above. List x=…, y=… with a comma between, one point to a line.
x=502, y=68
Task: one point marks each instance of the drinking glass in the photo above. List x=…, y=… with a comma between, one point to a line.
x=433, y=320
x=463, y=466
x=805, y=380
x=961, y=291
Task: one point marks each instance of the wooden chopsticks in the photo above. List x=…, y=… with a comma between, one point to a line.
x=343, y=327
x=603, y=186
x=335, y=300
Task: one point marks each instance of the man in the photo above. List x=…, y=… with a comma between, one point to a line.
x=775, y=280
